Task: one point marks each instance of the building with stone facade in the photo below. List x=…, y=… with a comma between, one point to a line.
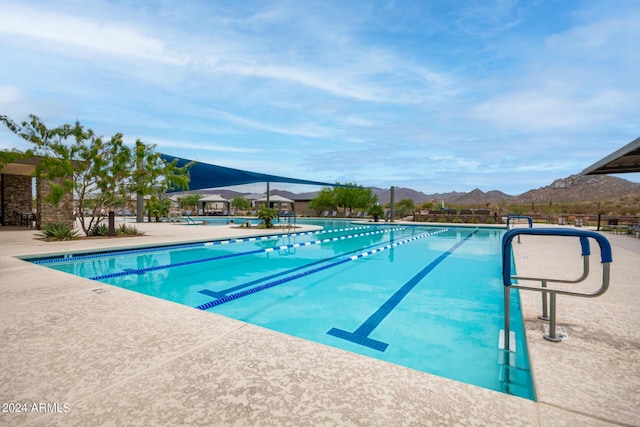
x=23, y=197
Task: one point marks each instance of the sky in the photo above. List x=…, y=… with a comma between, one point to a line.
x=434, y=95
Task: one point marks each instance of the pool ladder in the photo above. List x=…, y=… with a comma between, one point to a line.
x=289, y=219
x=549, y=310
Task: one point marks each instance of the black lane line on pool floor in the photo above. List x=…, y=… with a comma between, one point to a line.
x=271, y=284
x=224, y=292
x=361, y=335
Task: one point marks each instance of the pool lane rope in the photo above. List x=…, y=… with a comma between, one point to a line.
x=341, y=261
x=138, y=271
x=69, y=257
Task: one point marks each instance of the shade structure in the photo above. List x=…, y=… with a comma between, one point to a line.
x=276, y=200
x=205, y=175
x=214, y=199
x=624, y=160
x=21, y=166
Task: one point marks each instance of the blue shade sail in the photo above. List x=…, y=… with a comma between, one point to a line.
x=204, y=175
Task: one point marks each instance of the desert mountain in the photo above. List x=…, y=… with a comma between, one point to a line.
x=582, y=188
x=572, y=189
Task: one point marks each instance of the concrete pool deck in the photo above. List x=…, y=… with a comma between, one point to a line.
x=79, y=352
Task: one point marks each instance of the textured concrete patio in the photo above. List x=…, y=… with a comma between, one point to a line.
x=101, y=355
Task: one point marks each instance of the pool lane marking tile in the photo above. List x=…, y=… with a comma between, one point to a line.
x=361, y=335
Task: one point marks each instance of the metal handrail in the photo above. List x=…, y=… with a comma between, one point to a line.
x=583, y=235
x=528, y=218
x=586, y=251
x=287, y=216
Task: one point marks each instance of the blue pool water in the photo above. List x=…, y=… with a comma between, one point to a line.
x=225, y=220
x=429, y=298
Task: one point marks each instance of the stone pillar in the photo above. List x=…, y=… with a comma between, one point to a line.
x=49, y=213
x=17, y=197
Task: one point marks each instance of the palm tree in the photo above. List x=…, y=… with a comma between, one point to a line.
x=266, y=215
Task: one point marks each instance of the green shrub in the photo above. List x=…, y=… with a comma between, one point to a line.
x=376, y=212
x=267, y=215
x=58, y=231
x=100, y=230
x=127, y=230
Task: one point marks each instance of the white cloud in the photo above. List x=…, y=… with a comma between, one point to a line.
x=187, y=145
x=348, y=72
x=84, y=32
x=549, y=108
x=307, y=130
x=616, y=35
x=490, y=16
x=321, y=81
x=10, y=96
x=431, y=93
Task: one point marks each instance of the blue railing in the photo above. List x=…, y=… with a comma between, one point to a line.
x=511, y=217
x=507, y=277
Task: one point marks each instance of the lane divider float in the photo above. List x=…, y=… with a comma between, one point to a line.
x=268, y=285
x=69, y=257
x=138, y=271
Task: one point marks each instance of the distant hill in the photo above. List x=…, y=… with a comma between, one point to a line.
x=576, y=188
x=384, y=195
x=475, y=196
x=579, y=188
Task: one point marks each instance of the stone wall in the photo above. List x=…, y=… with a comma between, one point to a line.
x=50, y=213
x=17, y=197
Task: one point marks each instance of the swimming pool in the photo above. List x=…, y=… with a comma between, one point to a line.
x=226, y=220
x=428, y=298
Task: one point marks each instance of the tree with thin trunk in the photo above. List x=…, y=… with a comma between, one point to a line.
x=99, y=172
